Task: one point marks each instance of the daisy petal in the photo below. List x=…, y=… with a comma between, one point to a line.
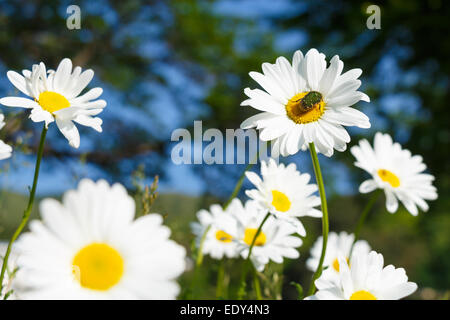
x=83, y=81
x=368, y=186
x=330, y=75
x=19, y=82
x=38, y=115
x=315, y=66
x=19, y=102
x=70, y=131
x=391, y=201
x=94, y=123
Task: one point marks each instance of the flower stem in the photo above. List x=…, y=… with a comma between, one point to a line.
x=199, y=260
x=325, y=226
x=238, y=186
x=241, y=292
x=198, y=263
x=256, y=285
x=241, y=180
x=363, y=217
x=220, y=280
x=27, y=212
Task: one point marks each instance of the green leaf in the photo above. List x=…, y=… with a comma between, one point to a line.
x=299, y=289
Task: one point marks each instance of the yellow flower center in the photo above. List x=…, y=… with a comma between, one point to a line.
x=51, y=101
x=305, y=107
x=389, y=177
x=280, y=201
x=223, y=236
x=250, y=234
x=336, y=264
x=98, y=266
x=362, y=295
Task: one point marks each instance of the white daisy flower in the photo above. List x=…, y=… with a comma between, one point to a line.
x=395, y=171
x=306, y=102
x=56, y=97
x=275, y=241
x=337, y=245
x=365, y=280
x=90, y=247
x=218, y=243
x=285, y=192
x=5, y=150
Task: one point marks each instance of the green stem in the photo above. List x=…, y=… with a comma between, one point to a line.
x=241, y=292
x=27, y=212
x=238, y=186
x=220, y=279
x=198, y=263
x=199, y=260
x=241, y=180
x=256, y=236
x=256, y=285
x=325, y=226
x=363, y=217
